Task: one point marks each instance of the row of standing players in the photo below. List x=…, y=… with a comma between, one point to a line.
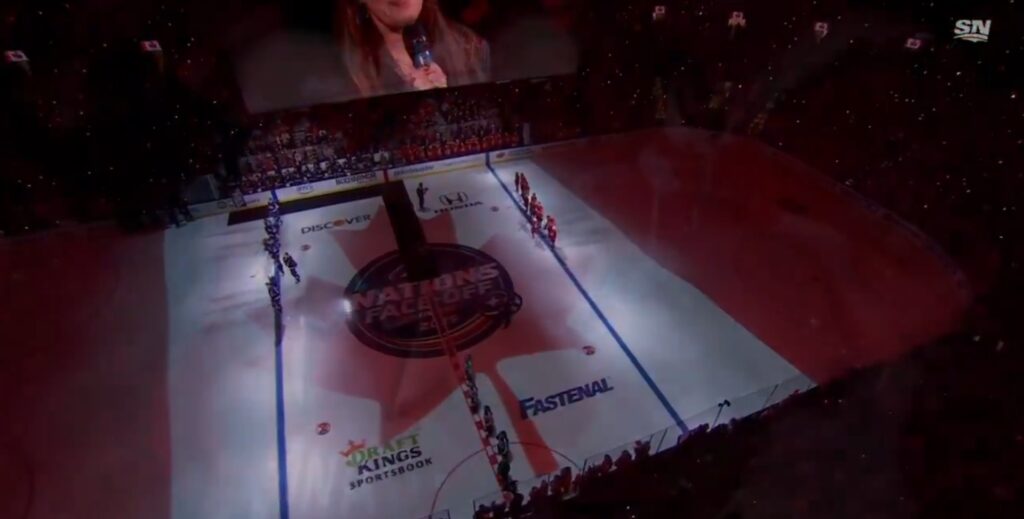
x=502, y=449
x=535, y=213
x=272, y=245
x=535, y=210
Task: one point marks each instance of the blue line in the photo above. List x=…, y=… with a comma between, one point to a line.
x=597, y=311
x=282, y=452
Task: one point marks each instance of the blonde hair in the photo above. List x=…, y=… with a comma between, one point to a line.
x=461, y=54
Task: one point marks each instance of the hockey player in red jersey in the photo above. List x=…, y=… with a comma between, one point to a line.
x=535, y=226
x=538, y=211
x=524, y=189
x=552, y=230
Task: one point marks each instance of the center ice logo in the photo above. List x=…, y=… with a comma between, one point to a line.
x=399, y=456
x=472, y=298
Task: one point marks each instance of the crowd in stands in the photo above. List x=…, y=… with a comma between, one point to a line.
x=290, y=155
x=460, y=141
x=949, y=183
x=862, y=107
x=298, y=149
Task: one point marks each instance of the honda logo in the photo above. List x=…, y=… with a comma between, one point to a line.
x=450, y=199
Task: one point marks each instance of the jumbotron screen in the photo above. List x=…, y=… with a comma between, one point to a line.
x=348, y=49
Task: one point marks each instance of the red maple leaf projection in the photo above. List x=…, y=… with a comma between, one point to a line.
x=409, y=389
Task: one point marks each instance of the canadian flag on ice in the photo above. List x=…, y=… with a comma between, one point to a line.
x=913, y=43
x=151, y=46
x=15, y=56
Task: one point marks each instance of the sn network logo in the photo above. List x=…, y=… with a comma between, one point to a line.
x=972, y=30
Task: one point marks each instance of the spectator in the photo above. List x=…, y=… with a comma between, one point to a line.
x=624, y=460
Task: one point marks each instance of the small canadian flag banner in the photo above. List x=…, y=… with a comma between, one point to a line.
x=15, y=56
x=913, y=43
x=151, y=46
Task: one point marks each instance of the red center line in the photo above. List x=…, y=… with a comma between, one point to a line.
x=460, y=377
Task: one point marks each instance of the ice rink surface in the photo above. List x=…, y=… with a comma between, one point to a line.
x=672, y=287
x=663, y=350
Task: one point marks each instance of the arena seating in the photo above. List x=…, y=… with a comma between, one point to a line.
x=301, y=147
x=934, y=136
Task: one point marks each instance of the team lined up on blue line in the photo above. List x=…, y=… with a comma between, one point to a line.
x=272, y=244
x=535, y=210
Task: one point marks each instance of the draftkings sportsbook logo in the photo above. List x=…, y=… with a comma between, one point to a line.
x=471, y=299
x=377, y=463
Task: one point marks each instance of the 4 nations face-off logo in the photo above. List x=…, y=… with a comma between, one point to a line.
x=473, y=298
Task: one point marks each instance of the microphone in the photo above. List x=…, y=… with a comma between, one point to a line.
x=416, y=40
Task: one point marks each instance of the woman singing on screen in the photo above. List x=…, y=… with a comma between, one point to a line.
x=391, y=46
